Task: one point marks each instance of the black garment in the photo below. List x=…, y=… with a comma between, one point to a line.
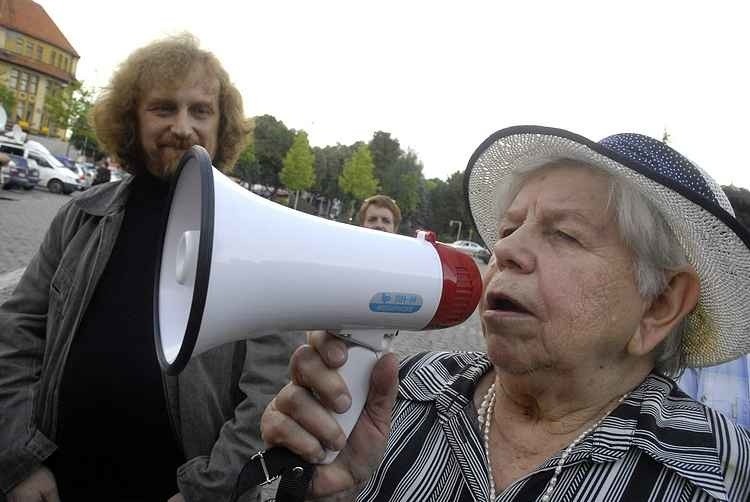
x=114, y=434
x=103, y=175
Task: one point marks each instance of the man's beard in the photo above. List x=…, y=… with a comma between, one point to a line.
x=169, y=156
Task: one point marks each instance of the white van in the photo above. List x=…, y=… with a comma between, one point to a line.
x=52, y=174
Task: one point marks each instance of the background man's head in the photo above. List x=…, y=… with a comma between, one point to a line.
x=164, y=98
x=379, y=212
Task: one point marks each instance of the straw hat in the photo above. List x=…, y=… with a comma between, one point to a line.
x=693, y=204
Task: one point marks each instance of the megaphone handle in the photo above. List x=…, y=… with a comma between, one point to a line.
x=356, y=373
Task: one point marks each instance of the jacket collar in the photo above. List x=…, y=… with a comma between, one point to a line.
x=106, y=199
x=657, y=418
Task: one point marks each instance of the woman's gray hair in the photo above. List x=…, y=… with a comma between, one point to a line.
x=643, y=228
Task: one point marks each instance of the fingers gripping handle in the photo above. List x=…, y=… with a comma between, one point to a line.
x=356, y=373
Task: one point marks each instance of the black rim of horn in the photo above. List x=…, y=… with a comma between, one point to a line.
x=203, y=270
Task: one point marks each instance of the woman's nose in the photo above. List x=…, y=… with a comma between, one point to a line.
x=515, y=251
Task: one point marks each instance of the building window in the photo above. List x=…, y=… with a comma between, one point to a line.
x=23, y=81
x=33, y=80
x=13, y=79
x=39, y=52
x=52, y=57
x=29, y=48
x=21, y=110
x=19, y=45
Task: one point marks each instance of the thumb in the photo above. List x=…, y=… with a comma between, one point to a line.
x=383, y=390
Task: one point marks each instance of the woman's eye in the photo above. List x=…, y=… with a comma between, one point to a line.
x=505, y=232
x=566, y=236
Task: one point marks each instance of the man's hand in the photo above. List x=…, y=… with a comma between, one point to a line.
x=40, y=486
x=298, y=421
x=176, y=498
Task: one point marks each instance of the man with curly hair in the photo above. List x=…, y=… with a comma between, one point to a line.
x=87, y=412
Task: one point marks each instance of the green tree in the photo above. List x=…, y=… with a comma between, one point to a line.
x=82, y=135
x=357, y=179
x=403, y=182
x=69, y=109
x=298, y=173
x=443, y=202
x=246, y=166
x=7, y=100
x=272, y=141
x=385, y=152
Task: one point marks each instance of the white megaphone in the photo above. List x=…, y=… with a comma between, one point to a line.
x=235, y=265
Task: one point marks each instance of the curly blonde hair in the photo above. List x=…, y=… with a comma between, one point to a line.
x=114, y=115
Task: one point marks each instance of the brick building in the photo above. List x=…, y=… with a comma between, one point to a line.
x=36, y=60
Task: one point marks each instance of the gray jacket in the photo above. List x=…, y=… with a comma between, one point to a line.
x=215, y=403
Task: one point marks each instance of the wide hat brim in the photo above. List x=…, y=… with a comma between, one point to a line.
x=716, y=245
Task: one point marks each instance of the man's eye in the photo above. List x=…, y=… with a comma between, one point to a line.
x=161, y=109
x=203, y=111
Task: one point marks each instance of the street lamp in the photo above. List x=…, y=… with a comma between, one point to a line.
x=460, y=224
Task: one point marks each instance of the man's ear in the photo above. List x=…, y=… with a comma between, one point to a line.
x=665, y=311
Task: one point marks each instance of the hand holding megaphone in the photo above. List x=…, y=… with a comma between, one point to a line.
x=299, y=418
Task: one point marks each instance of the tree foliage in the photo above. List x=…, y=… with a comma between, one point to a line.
x=69, y=109
x=329, y=164
x=385, y=152
x=246, y=167
x=272, y=141
x=403, y=183
x=446, y=202
x=7, y=99
x=298, y=172
x=357, y=179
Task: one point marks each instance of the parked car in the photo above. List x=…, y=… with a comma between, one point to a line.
x=52, y=173
x=22, y=173
x=77, y=169
x=4, y=169
x=89, y=170
x=473, y=249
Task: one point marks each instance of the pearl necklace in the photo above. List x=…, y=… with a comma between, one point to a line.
x=485, y=419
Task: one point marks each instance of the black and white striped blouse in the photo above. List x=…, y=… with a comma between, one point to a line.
x=658, y=445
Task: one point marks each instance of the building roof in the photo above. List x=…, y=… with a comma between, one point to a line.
x=30, y=18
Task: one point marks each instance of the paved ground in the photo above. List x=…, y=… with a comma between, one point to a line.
x=25, y=216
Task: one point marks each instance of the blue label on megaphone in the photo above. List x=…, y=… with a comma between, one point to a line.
x=398, y=303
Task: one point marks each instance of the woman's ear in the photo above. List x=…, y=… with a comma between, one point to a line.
x=665, y=311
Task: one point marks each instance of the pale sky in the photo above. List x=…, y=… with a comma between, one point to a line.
x=442, y=76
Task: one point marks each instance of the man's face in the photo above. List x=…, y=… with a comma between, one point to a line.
x=379, y=218
x=172, y=118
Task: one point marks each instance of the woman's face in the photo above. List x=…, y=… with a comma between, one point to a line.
x=559, y=292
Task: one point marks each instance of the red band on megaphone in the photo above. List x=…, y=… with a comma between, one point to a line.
x=462, y=288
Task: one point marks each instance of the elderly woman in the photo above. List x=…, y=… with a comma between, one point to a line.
x=616, y=265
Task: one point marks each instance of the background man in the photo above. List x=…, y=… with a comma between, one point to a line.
x=86, y=409
x=379, y=212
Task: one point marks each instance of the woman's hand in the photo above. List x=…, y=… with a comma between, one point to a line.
x=298, y=421
x=40, y=486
